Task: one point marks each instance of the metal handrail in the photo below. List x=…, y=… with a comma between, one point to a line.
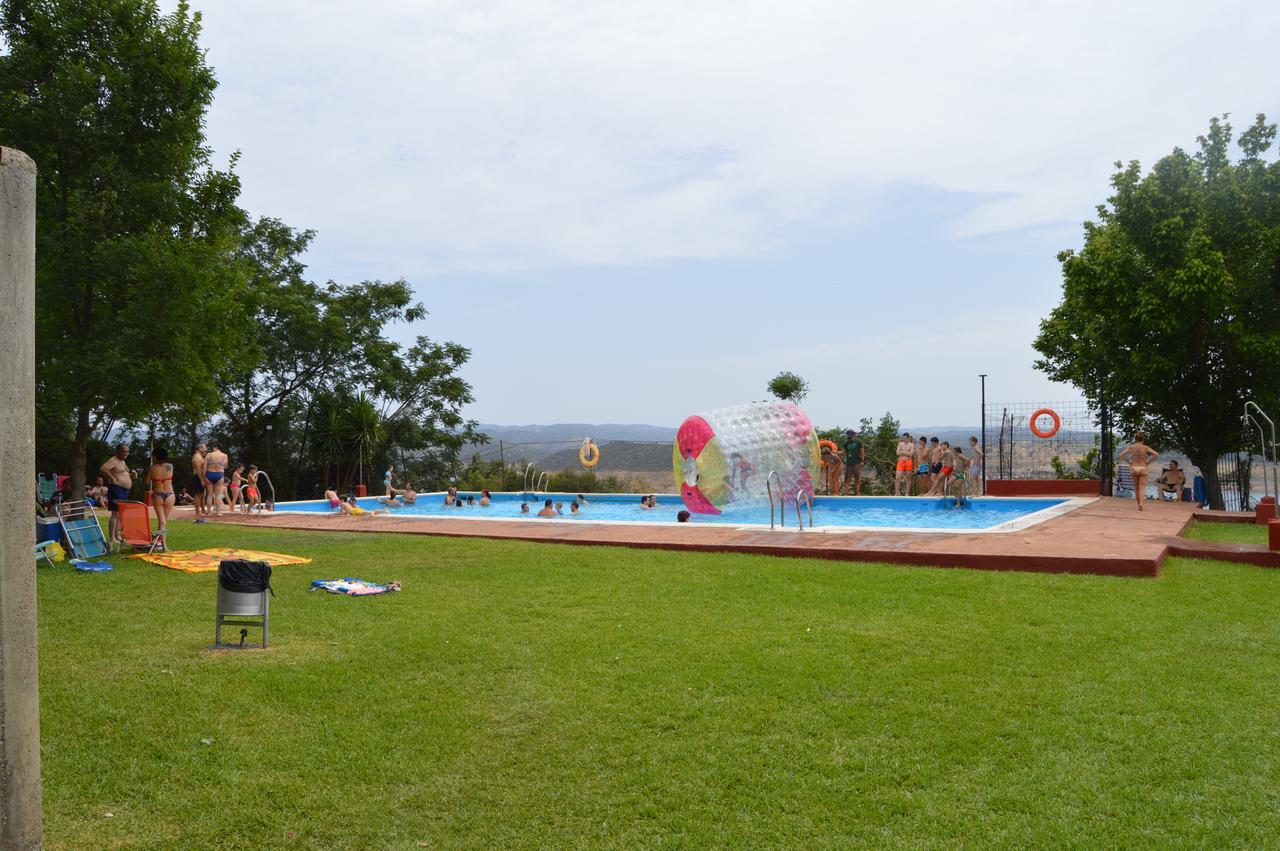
x=768, y=486
x=544, y=479
x=802, y=493
x=1273, y=488
x=525, y=481
x=263, y=474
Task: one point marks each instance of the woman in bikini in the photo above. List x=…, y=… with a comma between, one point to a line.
x=160, y=479
x=1139, y=456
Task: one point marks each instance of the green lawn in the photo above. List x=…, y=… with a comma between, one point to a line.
x=533, y=695
x=1230, y=533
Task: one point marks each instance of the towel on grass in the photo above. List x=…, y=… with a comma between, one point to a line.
x=91, y=566
x=206, y=561
x=353, y=587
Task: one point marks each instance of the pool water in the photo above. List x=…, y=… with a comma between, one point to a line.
x=878, y=512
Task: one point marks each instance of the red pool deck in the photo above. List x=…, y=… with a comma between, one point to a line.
x=1108, y=537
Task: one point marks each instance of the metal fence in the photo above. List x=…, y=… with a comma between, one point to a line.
x=1073, y=449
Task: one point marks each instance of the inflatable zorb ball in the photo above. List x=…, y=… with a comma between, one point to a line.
x=722, y=458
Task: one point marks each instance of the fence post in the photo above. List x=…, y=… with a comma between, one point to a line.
x=19, y=693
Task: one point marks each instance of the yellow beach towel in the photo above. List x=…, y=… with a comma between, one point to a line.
x=205, y=561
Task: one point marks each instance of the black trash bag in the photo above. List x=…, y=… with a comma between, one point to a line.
x=245, y=577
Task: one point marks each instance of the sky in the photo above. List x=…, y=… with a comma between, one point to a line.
x=632, y=212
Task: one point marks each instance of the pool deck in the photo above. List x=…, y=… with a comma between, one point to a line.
x=1107, y=537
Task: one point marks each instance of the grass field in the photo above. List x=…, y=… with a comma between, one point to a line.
x=1228, y=533
x=526, y=695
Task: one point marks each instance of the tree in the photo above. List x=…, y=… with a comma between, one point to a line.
x=1170, y=310
x=310, y=353
x=136, y=277
x=789, y=387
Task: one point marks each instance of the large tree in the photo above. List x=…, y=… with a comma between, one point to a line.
x=1171, y=309
x=136, y=279
x=318, y=359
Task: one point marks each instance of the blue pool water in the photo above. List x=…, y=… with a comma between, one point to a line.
x=900, y=512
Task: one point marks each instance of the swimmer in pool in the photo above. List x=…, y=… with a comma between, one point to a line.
x=547, y=510
x=1139, y=457
x=573, y=508
x=332, y=497
x=524, y=508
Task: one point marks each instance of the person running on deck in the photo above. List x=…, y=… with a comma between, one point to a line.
x=119, y=482
x=974, y=475
x=547, y=510
x=1139, y=457
x=855, y=454
x=160, y=478
x=198, y=486
x=215, y=473
x=904, y=467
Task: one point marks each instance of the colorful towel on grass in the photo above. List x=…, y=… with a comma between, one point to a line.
x=91, y=566
x=352, y=587
x=206, y=561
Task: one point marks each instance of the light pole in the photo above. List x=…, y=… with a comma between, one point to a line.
x=983, y=377
x=268, y=445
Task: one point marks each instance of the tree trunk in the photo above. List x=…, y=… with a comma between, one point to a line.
x=78, y=451
x=1207, y=461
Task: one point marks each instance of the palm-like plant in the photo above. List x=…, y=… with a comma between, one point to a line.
x=330, y=436
x=362, y=428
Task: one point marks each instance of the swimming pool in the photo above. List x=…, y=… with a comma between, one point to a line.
x=830, y=513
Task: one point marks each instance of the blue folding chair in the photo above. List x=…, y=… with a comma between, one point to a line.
x=82, y=530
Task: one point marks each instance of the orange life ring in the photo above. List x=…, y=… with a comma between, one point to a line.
x=828, y=443
x=1052, y=414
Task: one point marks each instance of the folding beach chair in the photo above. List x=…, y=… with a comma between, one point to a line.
x=46, y=487
x=135, y=527
x=81, y=529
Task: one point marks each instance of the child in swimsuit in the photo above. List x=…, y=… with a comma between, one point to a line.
x=237, y=487
x=975, y=465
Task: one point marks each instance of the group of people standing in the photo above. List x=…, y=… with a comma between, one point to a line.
x=216, y=484
x=934, y=467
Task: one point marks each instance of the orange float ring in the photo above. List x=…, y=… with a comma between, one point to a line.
x=830, y=443
x=1052, y=414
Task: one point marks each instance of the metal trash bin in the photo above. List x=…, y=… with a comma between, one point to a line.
x=243, y=591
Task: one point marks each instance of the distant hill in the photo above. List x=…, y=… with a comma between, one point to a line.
x=617, y=455
x=536, y=442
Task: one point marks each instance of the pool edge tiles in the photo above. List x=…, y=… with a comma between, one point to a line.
x=1099, y=536
x=1058, y=507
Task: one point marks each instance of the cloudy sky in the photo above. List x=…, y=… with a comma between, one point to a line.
x=634, y=211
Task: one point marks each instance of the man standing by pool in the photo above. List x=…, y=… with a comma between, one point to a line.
x=855, y=453
x=119, y=481
x=198, y=485
x=905, y=467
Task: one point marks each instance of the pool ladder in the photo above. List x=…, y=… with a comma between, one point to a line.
x=535, y=482
x=802, y=495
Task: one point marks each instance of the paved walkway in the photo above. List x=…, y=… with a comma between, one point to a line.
x=1108, y=537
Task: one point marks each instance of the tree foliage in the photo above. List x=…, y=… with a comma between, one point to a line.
x=789, y=387
x=136, y=231
x=1171, y=309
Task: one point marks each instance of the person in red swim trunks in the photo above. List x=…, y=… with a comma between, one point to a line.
x=905, y=467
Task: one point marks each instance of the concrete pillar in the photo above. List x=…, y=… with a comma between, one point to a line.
x=19, y=695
